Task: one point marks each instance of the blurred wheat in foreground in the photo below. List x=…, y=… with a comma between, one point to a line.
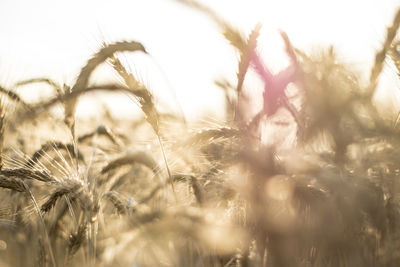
x=163, y=192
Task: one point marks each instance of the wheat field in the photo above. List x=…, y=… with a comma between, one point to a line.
x=309, y=179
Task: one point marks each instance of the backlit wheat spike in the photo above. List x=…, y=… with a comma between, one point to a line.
x=246, y=55
x=82, y=81
x=290, y=50
x=235, y=38
x=145, y=99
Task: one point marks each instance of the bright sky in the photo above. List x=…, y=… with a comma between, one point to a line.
x=50, y=38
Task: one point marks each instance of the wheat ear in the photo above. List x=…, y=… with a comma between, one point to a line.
x=381, y=55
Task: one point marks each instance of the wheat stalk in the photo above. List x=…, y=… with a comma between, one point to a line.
x=13, y=96
x=48, y=81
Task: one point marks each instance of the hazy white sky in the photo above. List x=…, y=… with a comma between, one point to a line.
x=50, y=38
